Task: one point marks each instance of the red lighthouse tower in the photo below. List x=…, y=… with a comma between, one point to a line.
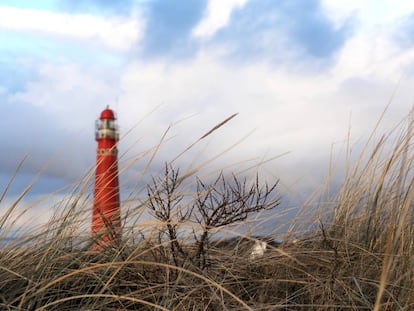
x=106, y=217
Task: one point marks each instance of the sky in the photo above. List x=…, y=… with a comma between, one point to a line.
x=300, y=74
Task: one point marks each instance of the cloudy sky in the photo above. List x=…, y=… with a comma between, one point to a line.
x=299, y=73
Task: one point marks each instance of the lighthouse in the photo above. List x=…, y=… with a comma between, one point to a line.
x=106, y=215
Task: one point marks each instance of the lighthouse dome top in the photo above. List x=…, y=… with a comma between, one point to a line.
x=107, y=114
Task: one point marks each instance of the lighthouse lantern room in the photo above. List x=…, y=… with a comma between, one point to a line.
x=106, y=126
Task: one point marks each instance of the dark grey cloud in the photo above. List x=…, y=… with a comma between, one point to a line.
x=39, y=185
x=29, y=131
x=169, y=26
x=279, y=29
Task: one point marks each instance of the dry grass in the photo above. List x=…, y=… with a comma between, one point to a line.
x=356, y=255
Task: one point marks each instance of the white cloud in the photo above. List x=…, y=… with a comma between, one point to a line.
x=217, y=16
x=288, y=113
x=298, y=112
x=290, y=110
x=370, y=13
x=115, y=32
x=64, y=81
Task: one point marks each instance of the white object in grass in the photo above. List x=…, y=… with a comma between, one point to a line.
x=258, y=249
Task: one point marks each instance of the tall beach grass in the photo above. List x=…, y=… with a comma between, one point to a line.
x=353, y=250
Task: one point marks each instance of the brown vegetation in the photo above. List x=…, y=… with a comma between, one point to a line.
x=356, y=255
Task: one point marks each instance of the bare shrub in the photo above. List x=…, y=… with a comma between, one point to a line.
x=214, y=205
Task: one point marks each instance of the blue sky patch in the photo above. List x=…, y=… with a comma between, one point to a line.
x=404, y=33
x=169, y=26
x=307, y=31
x=49, y=5
x=97, y=7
